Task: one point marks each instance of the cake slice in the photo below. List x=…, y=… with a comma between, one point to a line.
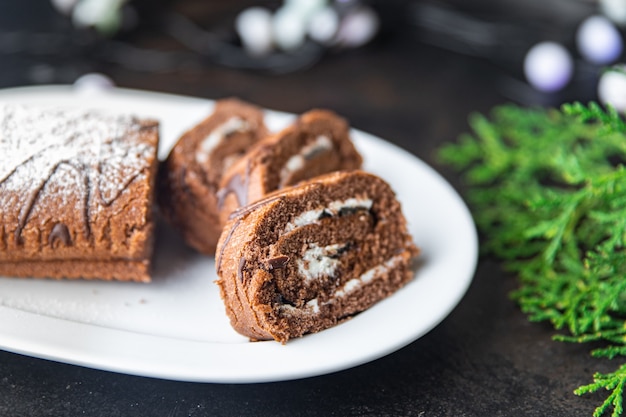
x=76, y=194
x=191, y=174
x=318, y=142
x=310, y=256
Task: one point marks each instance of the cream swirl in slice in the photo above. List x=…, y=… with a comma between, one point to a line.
x=297, y=162
x=320, y=261
x=335, y=208
x=368, y=276
x=312, y=306
x=207, y=146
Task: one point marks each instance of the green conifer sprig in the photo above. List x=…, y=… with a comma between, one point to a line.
x=613, y=382
x=548, y=192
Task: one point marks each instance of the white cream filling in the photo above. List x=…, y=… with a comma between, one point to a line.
x=312, y=216
x=230, y=126
x=297, y=161
x=350, y=203
x=317, y=262
x=312, y=306
x=367, y=276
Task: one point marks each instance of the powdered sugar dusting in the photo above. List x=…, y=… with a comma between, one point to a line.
x=65, y=152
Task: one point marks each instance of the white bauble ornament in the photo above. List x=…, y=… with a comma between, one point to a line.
x=548, y=66
x=358, y=27
x=289, y=28
x=612, y=88
x=598, y=40
x=323, y=25
x=254, y=27
x=93, y=83
x=614, y=10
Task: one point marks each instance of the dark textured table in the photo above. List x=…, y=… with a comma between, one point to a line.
x=484, y=359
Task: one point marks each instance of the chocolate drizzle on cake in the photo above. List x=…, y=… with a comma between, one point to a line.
x=237, y=186
x=76, y=193
x=36, y=144
x=226, y=241
x=242, y=211
x=59, y=235
x=242, y=265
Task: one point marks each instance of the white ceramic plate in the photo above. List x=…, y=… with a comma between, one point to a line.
x=176, y=328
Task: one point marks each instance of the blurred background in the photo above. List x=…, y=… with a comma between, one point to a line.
x=383, y=64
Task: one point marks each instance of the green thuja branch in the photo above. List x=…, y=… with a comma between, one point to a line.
x=612, y=382
x=548, y=193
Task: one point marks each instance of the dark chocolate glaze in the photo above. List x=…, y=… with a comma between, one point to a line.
x=277, y=262
x=325, y=214
x=29, y=159
x=236, y=185
x=59, y=233
x=226, y=240
x=242, y=265
x=239, y=214
x=31, y=200
x=242, y=211
x=27, y=208
x=111, y=200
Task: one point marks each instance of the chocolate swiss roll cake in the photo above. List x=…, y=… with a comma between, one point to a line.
x=76, y=194
x=191, y=174
x=318, y=142
x=310, y=256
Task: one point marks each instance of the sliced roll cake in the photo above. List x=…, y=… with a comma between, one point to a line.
x=308, y=257
x=318, y=142
x=76, y=194
x=191, y=174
